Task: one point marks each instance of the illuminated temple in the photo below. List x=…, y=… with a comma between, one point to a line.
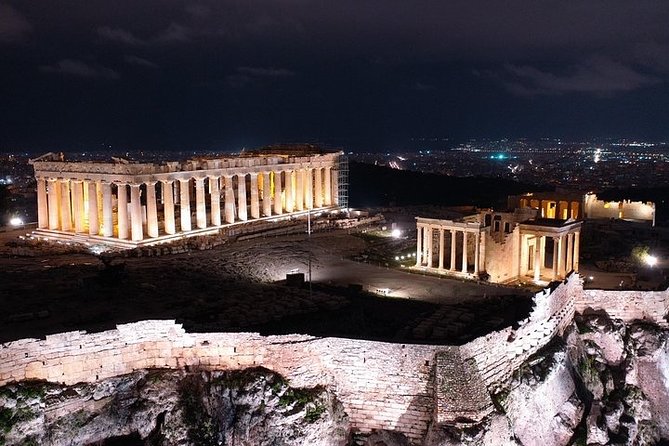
x=126, y=203
x=503, y=247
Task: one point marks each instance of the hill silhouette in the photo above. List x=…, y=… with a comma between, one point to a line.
x=372, y=186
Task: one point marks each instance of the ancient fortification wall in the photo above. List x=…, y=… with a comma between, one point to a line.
x=382, y=385
x=627, y=306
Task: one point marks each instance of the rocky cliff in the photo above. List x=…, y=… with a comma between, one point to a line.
x=602, y=382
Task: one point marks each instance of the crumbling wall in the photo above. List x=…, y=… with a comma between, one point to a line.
x=626, y=305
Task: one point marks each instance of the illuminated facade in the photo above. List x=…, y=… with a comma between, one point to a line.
x=501, y=246
x=133, y=203
x=563, y=204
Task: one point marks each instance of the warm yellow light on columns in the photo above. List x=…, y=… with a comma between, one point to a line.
x=42, y=206
x=53, y=195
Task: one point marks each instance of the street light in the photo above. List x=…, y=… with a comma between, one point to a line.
x=651, y=260
x=16, y=221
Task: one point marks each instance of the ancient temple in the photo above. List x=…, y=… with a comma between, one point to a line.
x=503, y=247
x=127, y=203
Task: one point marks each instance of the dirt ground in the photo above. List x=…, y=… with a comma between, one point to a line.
x=240, y=286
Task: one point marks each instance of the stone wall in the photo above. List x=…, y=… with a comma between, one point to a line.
x=627, y=306
x=499, y=251
x=382, y=385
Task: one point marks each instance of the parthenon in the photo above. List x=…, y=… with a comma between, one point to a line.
x=502, y=246
x=133, y=203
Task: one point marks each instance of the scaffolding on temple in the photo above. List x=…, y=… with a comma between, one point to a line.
x=342, y=182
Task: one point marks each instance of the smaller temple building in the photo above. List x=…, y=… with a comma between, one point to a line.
x=564, y=204
x=502, y=247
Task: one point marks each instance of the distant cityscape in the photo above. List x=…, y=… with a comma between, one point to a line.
x=587, y=165
x=581, y=165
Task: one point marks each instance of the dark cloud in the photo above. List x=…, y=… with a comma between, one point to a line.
x=78, y=68
x=597, y=75
x=139, y=61
x=13, y=25
x=246, y=75
x=294, y=69
x=118, y=35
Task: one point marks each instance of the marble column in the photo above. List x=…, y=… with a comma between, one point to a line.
x=555, y=257
x=430, y=244
x=289, y=191
x=477, y=252
x=266, y=194
x=318, y=189
x=215, y=200
x=168, y=207
x=570, y=247
x=53, y=195
x=464, y=252
x=200, y=204
x=78, y=205
x=561, y=246
x=426, y=244
x=151, y=209
x=309, y=188
x=136, y=229
x=419, y=246
x=542, y=252
x=327, y=183
x=65, y=208
x=93, y=224
x=441, y=248
x=107, y=210
x=241, y=198
x=184, y=205
x=255, y=202
x=42, y=206
x=122, y=192
x=453, y=245
x=537, y=259
x=277, y=194
x=299, y=189
x=229, y=200
x=577, y=236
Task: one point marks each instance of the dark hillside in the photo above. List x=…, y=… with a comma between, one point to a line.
x=371, y=186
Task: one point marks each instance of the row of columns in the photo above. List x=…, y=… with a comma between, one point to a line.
x=573, y=208
x=63, y=205
x=566, y=249
x=425, y=248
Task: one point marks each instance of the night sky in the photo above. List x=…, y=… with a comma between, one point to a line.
x=220, y=75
